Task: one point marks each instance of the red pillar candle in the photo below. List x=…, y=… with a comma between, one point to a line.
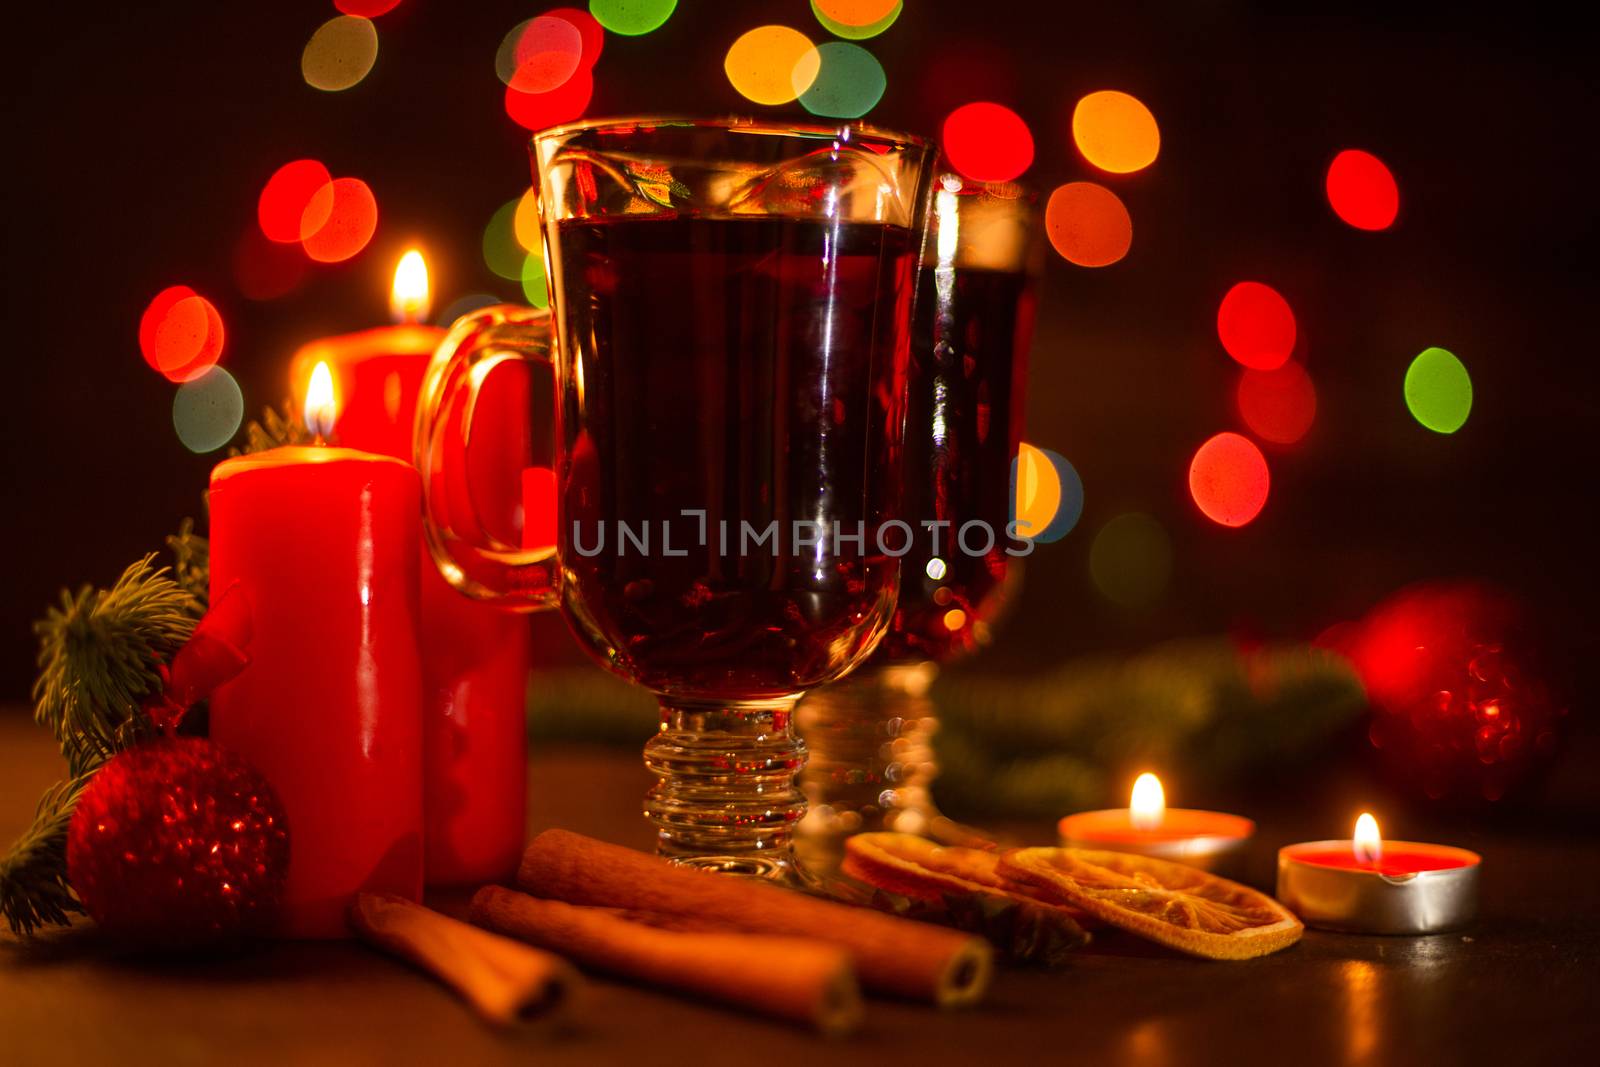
x=322, y=543
x=474, y=658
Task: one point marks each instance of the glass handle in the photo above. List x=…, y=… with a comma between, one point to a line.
x=497, y=550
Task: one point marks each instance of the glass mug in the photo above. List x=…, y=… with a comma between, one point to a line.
x=730, y=333
x=872, y=759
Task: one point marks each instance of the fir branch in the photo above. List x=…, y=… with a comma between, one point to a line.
x=273, y=430
x=99, y=654
x=191, y=567
x=33, y=871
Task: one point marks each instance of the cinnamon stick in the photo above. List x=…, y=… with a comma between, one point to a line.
x=891, y=955
x=804, y=981
x=504, y=980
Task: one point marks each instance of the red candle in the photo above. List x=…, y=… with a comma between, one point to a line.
x=1148, y=827
x=474, y=657
x=322, y=544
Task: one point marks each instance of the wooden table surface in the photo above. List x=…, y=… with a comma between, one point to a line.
x=1520, y=987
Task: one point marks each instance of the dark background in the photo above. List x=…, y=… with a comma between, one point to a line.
x=140, y=136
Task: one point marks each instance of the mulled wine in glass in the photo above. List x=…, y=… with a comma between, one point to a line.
x=731, y=304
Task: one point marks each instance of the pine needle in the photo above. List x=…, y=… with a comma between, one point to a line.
x=33, y=872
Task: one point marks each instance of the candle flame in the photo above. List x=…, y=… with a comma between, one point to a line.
x=1148, y=804
x=322, y=407
x=409, y=298
x=1368, y=841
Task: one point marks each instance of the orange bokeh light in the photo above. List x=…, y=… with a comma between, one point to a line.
x=351, y=212
x=536, y=111
x=1229, y=480
x=988, y=142
x=1278, y=405
x=1362, y=190
x=1256, y=326
x=281, y=209
x=180, y=333
x=1088, y=224
x=856, y=12
x=1115, y=132
x=541, y=54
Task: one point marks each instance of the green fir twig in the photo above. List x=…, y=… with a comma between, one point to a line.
x=33, y=872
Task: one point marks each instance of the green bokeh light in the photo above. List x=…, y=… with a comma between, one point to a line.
x=631, y=17
x=1439, y=390
x=1131, y=560
x=207, y=411
x=501, y=251
x=849, y=84
x=857, y=33
x=533, y=281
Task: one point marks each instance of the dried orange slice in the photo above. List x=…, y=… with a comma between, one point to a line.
x=1172, y=904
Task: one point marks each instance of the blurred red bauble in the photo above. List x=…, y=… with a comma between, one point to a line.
x=178, y=844
x=1466, y=700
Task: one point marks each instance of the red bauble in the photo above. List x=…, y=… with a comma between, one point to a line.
x=1466, y=701
x=178, y=844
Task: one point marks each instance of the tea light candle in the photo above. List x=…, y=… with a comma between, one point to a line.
x=1366, y=885
x=1205, y=839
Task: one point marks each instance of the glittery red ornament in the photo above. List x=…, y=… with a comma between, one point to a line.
x=1467, y=703
x=178, y=844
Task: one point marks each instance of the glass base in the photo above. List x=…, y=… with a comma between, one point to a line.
x=727, y=799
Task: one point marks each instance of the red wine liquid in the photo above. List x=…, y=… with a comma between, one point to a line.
x=963, y=426
x=753, y=370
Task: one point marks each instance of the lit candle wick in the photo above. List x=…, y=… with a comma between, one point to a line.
x=1147, y=807
x=1367, y=842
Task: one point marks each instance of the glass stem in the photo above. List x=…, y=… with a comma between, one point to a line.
x=726, y=796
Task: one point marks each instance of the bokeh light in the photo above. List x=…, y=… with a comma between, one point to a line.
x=266, y=270
x=525, y=221
x=465, y=305
x=1115, y=132
x=1088, y=224
x=1046, y=494
x=281, y=210
x=539, y=54
x=856, y=20
x=208, y=410
x=987, y=142
x=367, y=9
x=533, y=280
x=1439, y=390
x=538, y=111
x=849, y=82
x=1278, y=405
x=593, y=34
x=1228, y=479
x=340, y=53
x=632, y=17
x=1362, y=190
x=1256, y=326
x=502, y=252
x=1130, y=560
x=772, y=64
x=180, y=333
x=352, y=218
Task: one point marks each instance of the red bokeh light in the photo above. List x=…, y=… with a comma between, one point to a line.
x=987, y=142
x=1256, y=326
x=1362, y=190
x=352, y=217
x=1228, y=479
x=1278, y=405
x=367, y=9
x=593, y=34
x=264, y=269
x=286, y=197
x=536, y=111
x=180, y=333
x=547, y=52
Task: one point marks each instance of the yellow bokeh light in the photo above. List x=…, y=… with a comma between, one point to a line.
x=1115, y=132
x=525, y=222
x=1038, y=491
x=340, y=53
x=954, y=619
x=772, y=64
